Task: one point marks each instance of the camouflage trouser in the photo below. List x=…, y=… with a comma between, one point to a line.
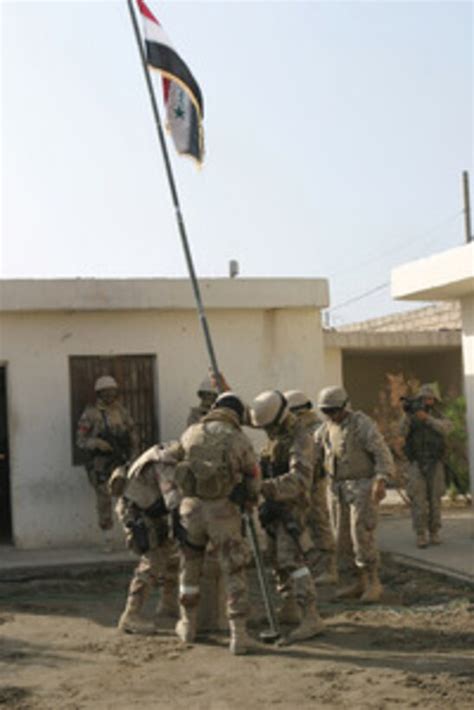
x=217, y=522
x=156, y=568
x=103, y=500
x=351, y=502
x=425, y=493
x=319, y=521
x=289, y=563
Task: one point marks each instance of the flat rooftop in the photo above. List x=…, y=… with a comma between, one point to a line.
x=18, y=295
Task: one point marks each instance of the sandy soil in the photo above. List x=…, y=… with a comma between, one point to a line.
x=59, y=650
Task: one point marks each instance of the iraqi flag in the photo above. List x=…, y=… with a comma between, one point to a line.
x=182, y=95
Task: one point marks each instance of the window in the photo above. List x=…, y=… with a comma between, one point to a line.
x=135, y=375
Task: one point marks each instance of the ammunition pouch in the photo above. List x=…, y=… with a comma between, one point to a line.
x=157, y=509
x=140, y=537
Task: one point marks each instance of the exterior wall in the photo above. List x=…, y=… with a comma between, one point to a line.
x=52, y=503
x=467, y=307
x=333, y=366
x=364, y=373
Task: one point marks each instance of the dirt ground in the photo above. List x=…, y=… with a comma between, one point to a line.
x=59, y=650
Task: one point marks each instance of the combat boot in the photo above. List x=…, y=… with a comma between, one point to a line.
x=435, y=538
x=330, y=575
x=311, y=625
x=131, y=621
x=374, y=588
x=167, y=607
x=240, y=642
x=355, y=590
x=421, y=540
x=290, y=612
x=187, y=625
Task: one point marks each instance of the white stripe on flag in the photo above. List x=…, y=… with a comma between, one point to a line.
x=155, y=33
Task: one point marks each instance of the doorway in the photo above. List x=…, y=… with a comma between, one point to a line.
x=5, y=499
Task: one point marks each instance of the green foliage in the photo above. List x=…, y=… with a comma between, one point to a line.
x=457, y=456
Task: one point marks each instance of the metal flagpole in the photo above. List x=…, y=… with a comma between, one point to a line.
x=174, y=196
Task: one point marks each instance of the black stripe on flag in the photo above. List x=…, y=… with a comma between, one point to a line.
x=168, y=61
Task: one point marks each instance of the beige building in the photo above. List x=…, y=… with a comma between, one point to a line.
x=423, y=344
x=58, y=335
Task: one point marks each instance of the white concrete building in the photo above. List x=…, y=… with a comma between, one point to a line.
x=267, y=333
x=447, y=276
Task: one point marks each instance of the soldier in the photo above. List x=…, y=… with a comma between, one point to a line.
x=425, y=430
x=218, y=463
x=147, y=496
x=288, y=469
x=211, y=615
x=207, y=394
x=106, y=433
x=358, y=461
x=318, y=518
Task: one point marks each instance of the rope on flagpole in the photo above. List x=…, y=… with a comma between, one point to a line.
x=176, y=204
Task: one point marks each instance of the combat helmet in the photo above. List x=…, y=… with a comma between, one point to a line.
x=270, y=408
x=230, y=400
x=429, y=390
x=106, y=382
x=297, y=400
x=332, y=397
x=206, y=387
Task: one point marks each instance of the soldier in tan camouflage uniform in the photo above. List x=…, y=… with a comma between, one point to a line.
x=288, y=468
x=207, y=394
x=324, y=566
x=218, y=460
x=147, y=496
x=211, y=615
x=358, y=461
x=425, y=429
x=106, y=433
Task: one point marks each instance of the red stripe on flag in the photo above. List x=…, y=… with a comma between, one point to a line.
x=146, y=12
x=166, y=89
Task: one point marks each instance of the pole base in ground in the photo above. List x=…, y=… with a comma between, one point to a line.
x=269, y=636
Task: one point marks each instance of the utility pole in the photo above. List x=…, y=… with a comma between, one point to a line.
x=467, y=206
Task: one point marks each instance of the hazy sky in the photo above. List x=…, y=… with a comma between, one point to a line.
x=336, y=135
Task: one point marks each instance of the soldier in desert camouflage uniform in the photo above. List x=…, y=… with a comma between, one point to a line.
x=425, y=430
x=288, y=469
x=106, y=433
x=358, y=461
x=207, y=394
x=319, y=521
x=147, y=496
x=217, y=461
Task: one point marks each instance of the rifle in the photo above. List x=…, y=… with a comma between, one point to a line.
x=121, y=449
